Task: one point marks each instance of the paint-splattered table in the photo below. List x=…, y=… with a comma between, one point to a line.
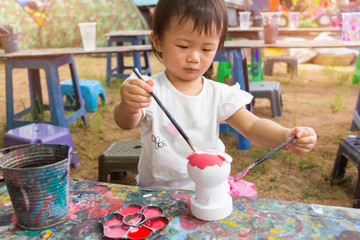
x=252, y=218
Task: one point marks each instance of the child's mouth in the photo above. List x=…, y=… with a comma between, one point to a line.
x=190, y=70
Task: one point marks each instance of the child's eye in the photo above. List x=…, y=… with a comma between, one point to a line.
x=207, y=50
x=182, y=46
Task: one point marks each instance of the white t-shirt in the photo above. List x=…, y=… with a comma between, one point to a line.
x=163, y=160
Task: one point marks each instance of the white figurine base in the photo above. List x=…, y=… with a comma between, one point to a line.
x=212, y=212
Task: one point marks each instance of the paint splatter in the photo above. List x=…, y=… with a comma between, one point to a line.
x=47, y=234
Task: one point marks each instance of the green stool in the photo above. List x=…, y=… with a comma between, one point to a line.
x=223, y=71
x=256, y=72
x=255, y=69
x=356, y=75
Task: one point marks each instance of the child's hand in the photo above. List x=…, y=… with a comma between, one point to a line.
x=304, y=142
x=135, y=94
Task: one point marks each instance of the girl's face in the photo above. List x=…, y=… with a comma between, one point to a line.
x=186, y=53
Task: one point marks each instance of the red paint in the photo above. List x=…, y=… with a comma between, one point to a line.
x=130, y=210
x=242, y=235
x=13, y=218
x=250, y=211
x=188, y=222
x=151, y=212
x=14, y=229
x=157, y=223
x=46, y=205
x=95, y=210
x=202, y=159
x=115, y=232
x=139, y=233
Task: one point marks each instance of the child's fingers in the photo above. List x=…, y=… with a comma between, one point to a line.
x=301, y=149
x=137, y=87
x=150, y=82
x=302, y=132
x=144, y=85
x=305, y=140
x=147, y=86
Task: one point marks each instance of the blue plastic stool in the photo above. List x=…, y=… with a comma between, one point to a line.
x=50, y=65
x=119, y=70
x=239, y=74
x=40, y=133
x=90, y=90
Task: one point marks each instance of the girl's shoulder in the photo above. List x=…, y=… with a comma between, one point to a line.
x=158, y=76
x=217, y=86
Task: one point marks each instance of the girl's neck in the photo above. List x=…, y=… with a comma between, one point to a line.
x=189, y=88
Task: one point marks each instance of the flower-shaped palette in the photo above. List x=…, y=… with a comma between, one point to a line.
x=134, y=222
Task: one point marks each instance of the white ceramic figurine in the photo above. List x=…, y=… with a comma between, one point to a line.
x=210, y=170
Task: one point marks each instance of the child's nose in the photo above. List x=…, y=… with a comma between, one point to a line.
x=193, y=57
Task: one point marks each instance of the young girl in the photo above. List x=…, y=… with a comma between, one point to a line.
x=186, y=36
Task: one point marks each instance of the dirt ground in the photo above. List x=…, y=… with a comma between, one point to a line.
x=321, y=97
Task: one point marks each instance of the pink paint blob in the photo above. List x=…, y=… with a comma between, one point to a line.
x=151, y=212
x=202, y=159
x=130, y=209
x=115, y=232
x=113, y=222
x=250, y=211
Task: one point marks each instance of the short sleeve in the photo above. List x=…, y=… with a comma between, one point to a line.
x=233, y=99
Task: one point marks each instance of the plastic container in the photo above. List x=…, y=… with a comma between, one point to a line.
x=244, y=20
x=294, y=19
x=351, y=26
x=88, y=35
x=270, y=23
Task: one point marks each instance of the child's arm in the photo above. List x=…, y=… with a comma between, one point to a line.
x=268, y=133
x=135, y=95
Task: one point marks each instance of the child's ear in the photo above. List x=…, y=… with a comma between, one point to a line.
x=156, y=42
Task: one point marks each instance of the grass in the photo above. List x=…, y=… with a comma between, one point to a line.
x=342, y=80
x=306, y=163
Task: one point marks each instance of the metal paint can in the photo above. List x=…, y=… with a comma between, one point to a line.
x=37, y=179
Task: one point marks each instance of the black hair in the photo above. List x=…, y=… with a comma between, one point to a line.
x=203, y=13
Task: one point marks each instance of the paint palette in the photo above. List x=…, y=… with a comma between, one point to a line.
x=134, y=222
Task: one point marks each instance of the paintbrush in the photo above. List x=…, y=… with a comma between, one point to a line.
x=241, y=174
x=181, y=131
